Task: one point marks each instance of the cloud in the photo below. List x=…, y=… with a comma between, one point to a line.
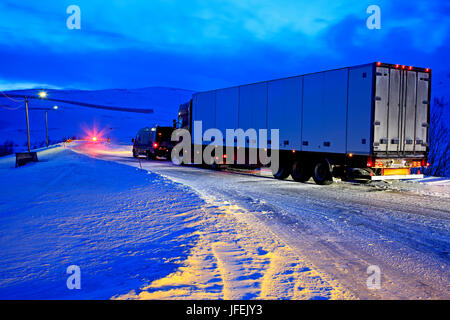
x=201, y=45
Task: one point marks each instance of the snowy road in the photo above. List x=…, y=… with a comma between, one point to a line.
x=335, y=231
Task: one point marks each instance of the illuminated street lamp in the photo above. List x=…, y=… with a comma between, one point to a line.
x=42, y=94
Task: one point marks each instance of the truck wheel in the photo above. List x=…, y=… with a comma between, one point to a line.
x=283, y=172
x=322, y=173
x=301, y=172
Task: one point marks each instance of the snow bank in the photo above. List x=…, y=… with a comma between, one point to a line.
x=124, y=227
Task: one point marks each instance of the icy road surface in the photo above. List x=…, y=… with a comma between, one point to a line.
x=292, y=240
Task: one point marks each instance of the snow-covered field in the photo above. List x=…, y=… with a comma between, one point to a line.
x=123, y=227
x=137, y=235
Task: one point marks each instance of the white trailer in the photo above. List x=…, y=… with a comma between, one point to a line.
x=372, y=119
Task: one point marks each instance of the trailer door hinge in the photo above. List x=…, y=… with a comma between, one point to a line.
x=377, y=98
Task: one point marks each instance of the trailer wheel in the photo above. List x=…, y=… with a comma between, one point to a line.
x=322, y=173
x=283, y=171
x=150, y=156
x=301, y=172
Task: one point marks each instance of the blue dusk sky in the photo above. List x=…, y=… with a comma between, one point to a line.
x=202, y=45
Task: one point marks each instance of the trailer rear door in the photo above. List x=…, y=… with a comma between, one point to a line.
x=401, y=111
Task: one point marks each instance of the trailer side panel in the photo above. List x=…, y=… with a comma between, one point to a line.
x=284, y=111
x=227, y=107
x=325, y=111
x=360, y=99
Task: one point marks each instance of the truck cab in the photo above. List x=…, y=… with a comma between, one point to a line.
x=153, y=142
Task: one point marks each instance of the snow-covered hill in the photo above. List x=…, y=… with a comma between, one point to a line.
x=71, y=120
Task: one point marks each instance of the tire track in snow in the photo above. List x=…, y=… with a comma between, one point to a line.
x=238, y=258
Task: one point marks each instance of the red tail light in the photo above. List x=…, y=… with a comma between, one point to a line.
x=369, y=162
x=425, y=163
x=155, y=145
x=427, y=70
x=410, y=68
x=397, y=66
x=378, y=63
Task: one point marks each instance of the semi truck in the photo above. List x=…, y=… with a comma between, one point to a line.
x=368, y=121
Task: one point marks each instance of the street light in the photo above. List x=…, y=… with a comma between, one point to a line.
x=46, y=126
x=42, y=94
x=46, y=119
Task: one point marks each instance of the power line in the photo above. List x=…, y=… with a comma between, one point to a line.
x=9, y=97
x=11, y=108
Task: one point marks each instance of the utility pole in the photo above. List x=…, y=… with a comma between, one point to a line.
x=46, y=129
x=28, y=124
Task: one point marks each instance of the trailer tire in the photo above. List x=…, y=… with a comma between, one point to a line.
x=150, y=156
x=284, y=170
x=322, y=173
x=301, y=171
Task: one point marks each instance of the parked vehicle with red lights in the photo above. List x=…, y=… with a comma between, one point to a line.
x=153, y=142
x=369, y=121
